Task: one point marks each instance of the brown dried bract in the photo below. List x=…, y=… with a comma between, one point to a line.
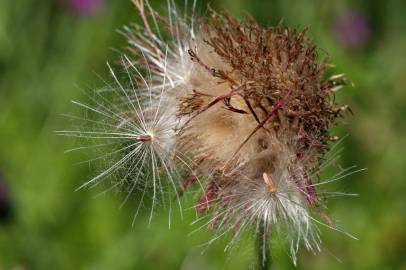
x=287, y=89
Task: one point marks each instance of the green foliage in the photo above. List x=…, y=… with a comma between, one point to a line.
x=45, y=50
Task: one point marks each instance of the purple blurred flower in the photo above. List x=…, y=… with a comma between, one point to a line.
x=352, y=29
x=5, y=206
x=84, y=7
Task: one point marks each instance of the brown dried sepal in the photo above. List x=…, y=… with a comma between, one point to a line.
x=282, y=66
x=192, y=103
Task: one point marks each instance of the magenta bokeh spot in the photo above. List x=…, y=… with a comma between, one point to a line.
x=352, y=29
x=5, y=207
x=85, y=7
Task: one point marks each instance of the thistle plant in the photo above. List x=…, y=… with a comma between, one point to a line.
x=235, y=110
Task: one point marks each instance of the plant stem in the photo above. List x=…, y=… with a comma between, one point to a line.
x=264, y=253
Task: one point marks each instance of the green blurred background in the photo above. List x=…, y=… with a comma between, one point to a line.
x=47, y=47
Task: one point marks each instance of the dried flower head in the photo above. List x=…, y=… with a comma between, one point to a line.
x=239, y=110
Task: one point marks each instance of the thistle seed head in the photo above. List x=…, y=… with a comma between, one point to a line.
x=245, y=109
